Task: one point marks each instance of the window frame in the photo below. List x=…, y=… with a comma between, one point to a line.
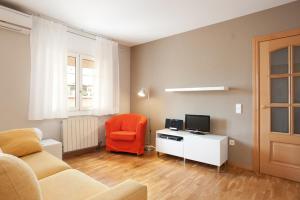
x=78, y=110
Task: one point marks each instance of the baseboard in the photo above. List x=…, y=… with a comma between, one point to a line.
x=80, y=152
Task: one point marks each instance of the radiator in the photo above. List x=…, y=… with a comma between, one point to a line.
x=79, y=133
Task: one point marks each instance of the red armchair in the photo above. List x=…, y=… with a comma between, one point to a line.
x=126, y=133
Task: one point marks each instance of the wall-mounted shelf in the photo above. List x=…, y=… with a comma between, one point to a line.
x=198, y=89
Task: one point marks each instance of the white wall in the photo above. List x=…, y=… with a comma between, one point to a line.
x=82, y=45
x=124, y=57
x=15, y=82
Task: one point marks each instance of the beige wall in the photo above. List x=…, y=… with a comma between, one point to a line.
x=220, y=54
x=15, y=80
x=124, y=57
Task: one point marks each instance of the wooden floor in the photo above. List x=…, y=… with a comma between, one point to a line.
x=167, y=177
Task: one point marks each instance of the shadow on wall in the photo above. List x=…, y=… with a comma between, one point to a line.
x=240, y=151
x=101, y=125
x=218, y=126
x=241, y=90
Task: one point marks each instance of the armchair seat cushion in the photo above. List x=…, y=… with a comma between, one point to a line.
x=123, y=135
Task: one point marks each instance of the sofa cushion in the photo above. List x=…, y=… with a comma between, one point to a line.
x=44, y=164
x=129, y=190
x=123, y=135
x=70, y=184
x=20, y=142
x=17, y=180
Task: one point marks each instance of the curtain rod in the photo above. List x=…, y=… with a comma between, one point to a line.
x=74, y=28
x=70, y=30
x=81, y=35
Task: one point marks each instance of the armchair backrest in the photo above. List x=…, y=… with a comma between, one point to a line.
x=128, y=122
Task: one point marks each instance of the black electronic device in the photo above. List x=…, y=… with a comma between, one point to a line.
x=170, y=137
x=199, y=124
x=164, y=136
x=174, y=124
x=176, y=138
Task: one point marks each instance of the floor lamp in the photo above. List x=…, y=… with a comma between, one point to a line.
x=145, y=93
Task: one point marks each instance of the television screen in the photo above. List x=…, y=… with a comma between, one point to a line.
x=197, y=123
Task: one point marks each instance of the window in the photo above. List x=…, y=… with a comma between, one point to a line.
x=71, y=82
x=80, y=82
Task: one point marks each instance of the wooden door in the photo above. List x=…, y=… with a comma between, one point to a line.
x=279, y=101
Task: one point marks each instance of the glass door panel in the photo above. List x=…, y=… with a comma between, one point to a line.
x=279, y=90
x=297, y=120
x=297, y=89
x=280, y=61
x=296, y=55
x=280, y=120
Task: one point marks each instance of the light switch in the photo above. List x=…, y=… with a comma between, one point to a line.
x=238, y=108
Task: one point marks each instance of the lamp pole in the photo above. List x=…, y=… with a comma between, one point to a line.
x=149, y=147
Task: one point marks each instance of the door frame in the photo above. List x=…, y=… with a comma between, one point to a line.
x=255, y=90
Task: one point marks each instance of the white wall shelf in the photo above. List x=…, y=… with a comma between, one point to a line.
x=198, y=89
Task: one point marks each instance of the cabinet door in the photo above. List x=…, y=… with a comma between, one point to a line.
x=171, y=147
x=201, y=149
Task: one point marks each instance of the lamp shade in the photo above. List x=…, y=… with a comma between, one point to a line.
x=142, y=92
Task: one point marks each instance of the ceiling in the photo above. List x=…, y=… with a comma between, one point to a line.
x=135, y=22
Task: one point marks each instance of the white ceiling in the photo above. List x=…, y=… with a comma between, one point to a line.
x=135, y=22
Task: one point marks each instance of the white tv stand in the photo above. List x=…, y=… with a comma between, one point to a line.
x=209, y=148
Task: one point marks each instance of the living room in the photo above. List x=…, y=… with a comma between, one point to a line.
x=107, y=94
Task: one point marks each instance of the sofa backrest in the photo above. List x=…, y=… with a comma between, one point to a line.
x=17, y=180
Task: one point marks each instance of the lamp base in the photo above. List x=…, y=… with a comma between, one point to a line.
x=149, y=148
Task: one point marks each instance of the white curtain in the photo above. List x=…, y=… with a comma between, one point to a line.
x=107, y=77
x=48, y=42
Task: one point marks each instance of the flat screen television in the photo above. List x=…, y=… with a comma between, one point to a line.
x=197, y=123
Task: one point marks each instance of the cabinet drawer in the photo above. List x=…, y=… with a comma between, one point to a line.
x=171, y=147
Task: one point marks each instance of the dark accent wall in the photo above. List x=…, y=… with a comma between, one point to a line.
x=219, y=54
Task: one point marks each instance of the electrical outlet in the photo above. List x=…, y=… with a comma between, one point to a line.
x=231, y=142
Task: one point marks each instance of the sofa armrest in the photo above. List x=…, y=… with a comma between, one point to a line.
x=128, y=190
